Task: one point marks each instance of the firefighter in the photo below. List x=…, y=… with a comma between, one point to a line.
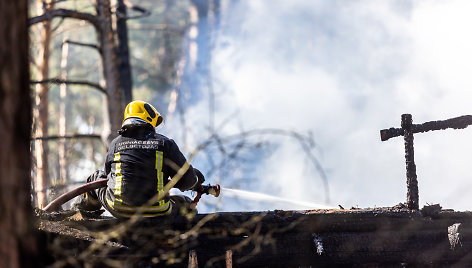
x=139, y=163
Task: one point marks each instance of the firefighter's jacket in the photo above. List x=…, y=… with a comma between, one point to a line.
x=139, y=163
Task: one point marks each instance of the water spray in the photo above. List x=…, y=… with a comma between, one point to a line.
x=228, y=192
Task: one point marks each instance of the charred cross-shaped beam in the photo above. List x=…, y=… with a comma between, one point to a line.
x=407, y=130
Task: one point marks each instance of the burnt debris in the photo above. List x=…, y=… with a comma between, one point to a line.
x=407, y=130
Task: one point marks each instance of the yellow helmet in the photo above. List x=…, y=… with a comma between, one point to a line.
x=144, y=111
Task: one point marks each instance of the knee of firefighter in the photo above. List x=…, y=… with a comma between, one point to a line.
x=181, y=204
x=91, y=199
x=86, y=203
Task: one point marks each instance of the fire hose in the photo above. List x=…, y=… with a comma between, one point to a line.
x=56, y=204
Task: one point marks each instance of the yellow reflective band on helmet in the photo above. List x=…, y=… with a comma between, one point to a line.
x=160, y=175
x=144, y=111
x=118, y=178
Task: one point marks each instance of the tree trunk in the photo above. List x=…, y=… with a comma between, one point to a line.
x=63, y=165
x=41, y=109
x=110, y=66
x=18, y=245
x=123, y=52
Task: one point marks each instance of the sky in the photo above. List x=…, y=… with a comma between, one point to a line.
x=344, y=70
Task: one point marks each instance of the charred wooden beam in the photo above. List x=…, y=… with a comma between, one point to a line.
x=460, y=122
x=407, y=130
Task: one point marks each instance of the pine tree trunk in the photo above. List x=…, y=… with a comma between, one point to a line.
x=110, y=66
x=63, y=164
x=18, y=244
x=41, y=111
x=123, y=52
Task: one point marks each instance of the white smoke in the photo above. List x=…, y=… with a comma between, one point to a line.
x=345, y=70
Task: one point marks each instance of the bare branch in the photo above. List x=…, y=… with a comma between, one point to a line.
x=69, y=137
x=144, y=12
x=66, y=13
x=306, y=143
x=70, y=82
x=94, y=46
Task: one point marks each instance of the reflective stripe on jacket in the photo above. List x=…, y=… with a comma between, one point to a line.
x=139, y=164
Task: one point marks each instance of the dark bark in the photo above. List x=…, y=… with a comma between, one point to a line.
x=18, y=242
x=110, y=66
x=123, y=52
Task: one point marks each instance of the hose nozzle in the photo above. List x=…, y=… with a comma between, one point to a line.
x=213, y=190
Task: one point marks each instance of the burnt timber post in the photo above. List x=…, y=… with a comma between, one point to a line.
x=407, y=129
x=412, y=196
